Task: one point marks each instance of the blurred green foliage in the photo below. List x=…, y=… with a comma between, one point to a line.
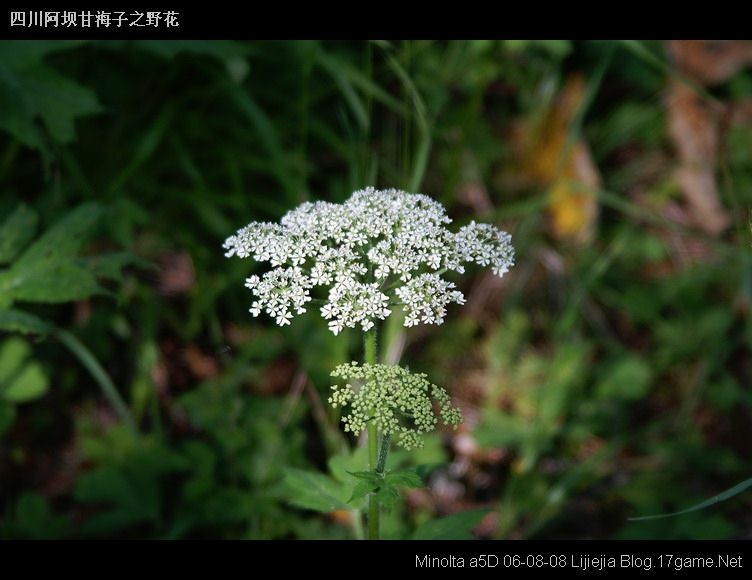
x=602, y=381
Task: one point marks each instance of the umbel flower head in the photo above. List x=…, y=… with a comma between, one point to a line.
x=375, y=251
x=396, y=400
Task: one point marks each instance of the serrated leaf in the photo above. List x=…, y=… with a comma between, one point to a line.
x=16, y=232
x=314, y=491
x=370, y=476
x=361, y=490
x=49, y=270
x=58, y=100
x=23, y=322
x=51, y=283
x=17, y=119
x=405, y=478
x=455, y=527
x=388, y=495
x=386, y=487
x=65, y=238
x=31, y=91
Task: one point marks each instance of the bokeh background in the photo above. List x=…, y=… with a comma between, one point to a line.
x=606, y=376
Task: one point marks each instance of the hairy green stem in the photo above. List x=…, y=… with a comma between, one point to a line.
x=369, y=354
x=386, y=441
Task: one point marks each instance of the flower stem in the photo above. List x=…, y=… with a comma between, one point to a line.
x=369, y=347
x=386, y=441
x=369, y=354
x=373, y=501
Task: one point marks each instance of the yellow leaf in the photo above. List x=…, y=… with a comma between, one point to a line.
x=566, y=170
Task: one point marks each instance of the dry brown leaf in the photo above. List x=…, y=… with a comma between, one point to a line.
x=278, y=376
x=710, y=62
x=177, y=274
x=201, y=365
x=693, y=126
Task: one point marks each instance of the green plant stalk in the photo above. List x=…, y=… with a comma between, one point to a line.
x=369, y=353
x=95, y=369
x=356, y=523
x=386, y=441
x=373, y=501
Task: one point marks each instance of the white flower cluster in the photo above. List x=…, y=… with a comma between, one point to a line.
x=377, y=250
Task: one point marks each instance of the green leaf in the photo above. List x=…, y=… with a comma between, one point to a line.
x=16, y=232
x=49, y=270
x=34, y=520
x=728, y=494
x=628, y=379
x=110, y=266
x=405, y=478
x=31, y=91
x=388, y=495
x=454, y=527
x=13, y=353
x=314, y=491
x=51, y=283
x=21, y=380
x=65, y=238
x=23, y=322
x=386, y=487
x=342, y=464
x=369, y=476
x=58, y=100
x=501, y=429
x=130, y=488
x=424, y=470
x=127, y=499
x=31, y=510
x=31, y=383
x=361, y=490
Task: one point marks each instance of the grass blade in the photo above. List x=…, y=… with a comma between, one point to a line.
x=728, y=494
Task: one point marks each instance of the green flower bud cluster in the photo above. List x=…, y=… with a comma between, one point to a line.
x=399, y=402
